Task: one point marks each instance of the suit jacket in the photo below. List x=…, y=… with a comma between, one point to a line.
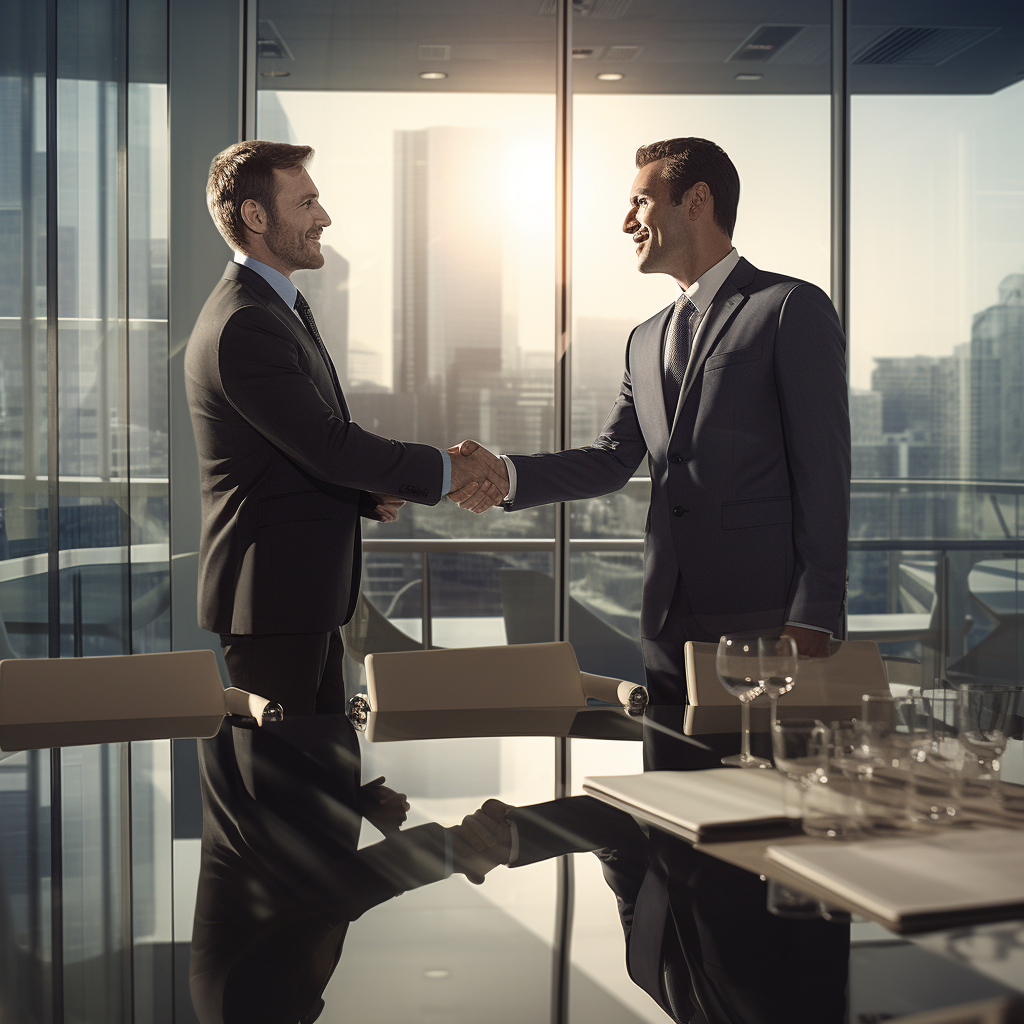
x=283, y=469
x=750, y=477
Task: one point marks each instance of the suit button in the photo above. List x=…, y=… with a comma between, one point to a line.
x=677, y=457
x=679, y=511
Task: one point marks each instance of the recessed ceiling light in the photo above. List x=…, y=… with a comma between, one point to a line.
x=433, y=76
x=436, y=973
x=749, y=78
x=275, y=74
x=610, y=76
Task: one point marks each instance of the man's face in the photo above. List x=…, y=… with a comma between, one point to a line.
x=296, y=222
x=660, y=230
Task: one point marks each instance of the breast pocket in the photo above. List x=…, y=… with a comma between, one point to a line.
x=740, y=355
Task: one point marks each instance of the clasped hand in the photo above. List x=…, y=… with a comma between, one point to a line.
x=479, y=479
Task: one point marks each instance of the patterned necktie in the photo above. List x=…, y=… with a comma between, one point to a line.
x=677, y=351
x=306, y=314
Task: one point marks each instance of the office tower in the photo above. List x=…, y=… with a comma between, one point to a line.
x=997, y=385
x=447, y=284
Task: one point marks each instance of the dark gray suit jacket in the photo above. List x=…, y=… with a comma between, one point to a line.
x=750, y=481
x=283, y=469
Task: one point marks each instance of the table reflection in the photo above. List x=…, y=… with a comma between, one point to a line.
x=282, y=877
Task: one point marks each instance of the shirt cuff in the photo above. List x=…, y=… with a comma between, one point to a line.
x=510, y=466
x=446, y=472
x=514, y=846
x=807, y=625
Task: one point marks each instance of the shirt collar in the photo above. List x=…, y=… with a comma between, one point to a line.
x=273, y=277
x=703, y=291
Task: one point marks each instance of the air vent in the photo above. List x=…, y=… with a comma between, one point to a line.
x=764, y=43
x=433, y=52
x=602, y=9
x=269, y=44
x=921, y=45
x=622, y=54
x=811, y=46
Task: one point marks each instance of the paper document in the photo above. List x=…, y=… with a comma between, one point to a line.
x=903, y=880
x=718, y=803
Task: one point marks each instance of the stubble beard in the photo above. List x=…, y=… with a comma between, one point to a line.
x=291, y=250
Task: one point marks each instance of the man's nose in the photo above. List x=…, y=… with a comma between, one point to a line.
x=630, y=224
x=324, y=218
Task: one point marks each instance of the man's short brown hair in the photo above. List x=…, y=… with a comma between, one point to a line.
x=246, y=171
x=691, y=160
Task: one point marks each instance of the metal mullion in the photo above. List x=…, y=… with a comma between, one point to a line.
x=841, y=165
x=53, y=510
x=561, y=950
x=249, y=23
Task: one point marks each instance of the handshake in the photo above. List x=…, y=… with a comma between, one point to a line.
x=479, y=479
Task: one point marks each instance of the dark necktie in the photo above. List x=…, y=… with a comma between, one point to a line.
x=306, y=315
x=677, y=351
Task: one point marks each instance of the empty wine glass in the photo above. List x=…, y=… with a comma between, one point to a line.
x=739, y=671
x=778, y=661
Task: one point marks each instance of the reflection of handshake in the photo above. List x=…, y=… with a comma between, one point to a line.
x=482, y=841
x=479, y=479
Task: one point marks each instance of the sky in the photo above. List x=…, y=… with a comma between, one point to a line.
x=937, y=200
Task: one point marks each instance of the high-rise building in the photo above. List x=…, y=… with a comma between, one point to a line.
x=447, y=284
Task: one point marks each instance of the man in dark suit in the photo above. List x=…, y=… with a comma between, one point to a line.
x=285, y=473
x=737, y=394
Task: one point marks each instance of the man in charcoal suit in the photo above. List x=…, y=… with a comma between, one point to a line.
x=285, y=473
x=737, y=395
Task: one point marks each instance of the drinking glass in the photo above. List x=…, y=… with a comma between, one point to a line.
x=936, y=759
x=796, y=754
x=983, y=720
x=830, y=808
x=777, y=656
x=739, y=671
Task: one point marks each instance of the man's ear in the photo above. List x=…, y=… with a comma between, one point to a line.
x=699, y=199
x=254, y=216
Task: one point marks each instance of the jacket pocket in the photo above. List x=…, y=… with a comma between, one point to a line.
x=300, y=506
x=738, y=515
x=740, y=355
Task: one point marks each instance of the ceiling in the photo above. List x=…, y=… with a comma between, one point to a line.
x=659, y=46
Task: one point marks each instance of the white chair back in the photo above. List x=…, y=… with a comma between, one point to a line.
x=853, y=668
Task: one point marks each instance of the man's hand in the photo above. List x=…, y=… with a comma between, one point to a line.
x=810, y=643
x=383, y=807
x=479, y=479
x=482, y=841
x=387, y=506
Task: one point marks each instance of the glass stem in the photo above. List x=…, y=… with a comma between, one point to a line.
x=745, y=726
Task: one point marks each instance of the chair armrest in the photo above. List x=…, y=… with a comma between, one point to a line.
x=613, y=691
x=242, y=702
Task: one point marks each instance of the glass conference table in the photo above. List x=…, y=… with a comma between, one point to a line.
x=305, y=911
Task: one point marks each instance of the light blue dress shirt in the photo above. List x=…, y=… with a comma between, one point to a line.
x=288, y=291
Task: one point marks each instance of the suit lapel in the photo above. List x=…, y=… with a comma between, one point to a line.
x=276, y=305
x=647, y=374
x=727, y=301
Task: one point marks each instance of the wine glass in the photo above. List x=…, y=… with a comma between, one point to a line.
x=777, y=656
x=739, y=671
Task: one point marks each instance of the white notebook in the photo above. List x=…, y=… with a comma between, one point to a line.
x=917, y=882
x=718, y=803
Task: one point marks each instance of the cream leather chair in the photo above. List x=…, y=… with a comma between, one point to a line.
x=55, y=702
x=513, y=676
x=826, y=688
